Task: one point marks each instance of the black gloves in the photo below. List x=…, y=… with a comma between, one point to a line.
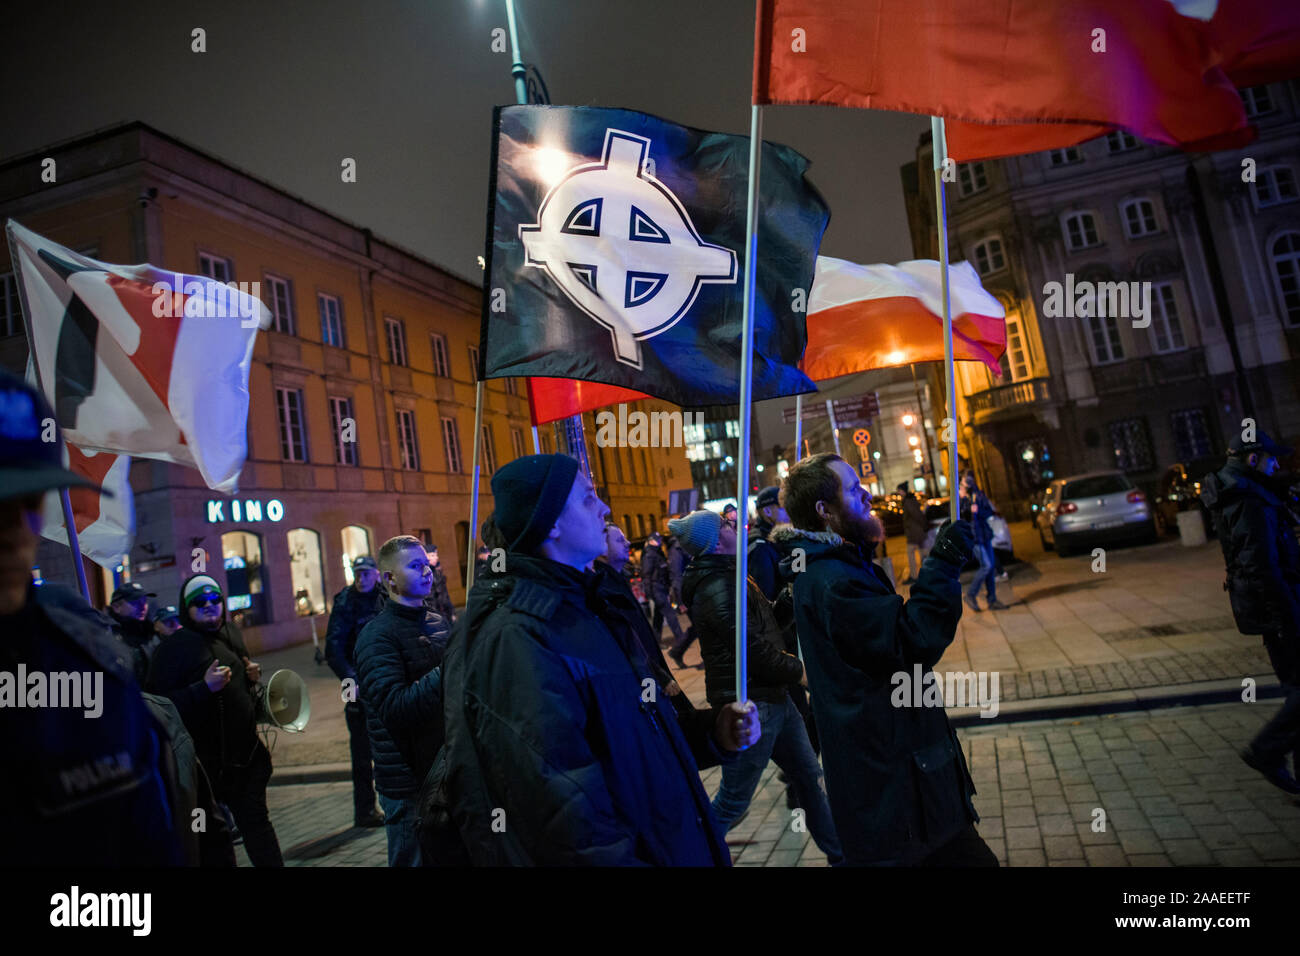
x=954, y=543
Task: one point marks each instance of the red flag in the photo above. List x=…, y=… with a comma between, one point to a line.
x=1137, y=64
x=105, y=522
x=550, y=399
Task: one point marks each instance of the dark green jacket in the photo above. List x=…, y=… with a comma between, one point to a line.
x=895, y=776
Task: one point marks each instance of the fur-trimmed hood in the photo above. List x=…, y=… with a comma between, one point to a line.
x=787, y=536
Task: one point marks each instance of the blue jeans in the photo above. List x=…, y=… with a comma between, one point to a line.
x=399, y=825
x=785, y=741
x=987, y=573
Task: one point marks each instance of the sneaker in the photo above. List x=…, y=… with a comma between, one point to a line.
x=973, y=604
x=1004, y=576
x=998, y=606
x=375, y=819
x=1276, y=774
x=677, y=657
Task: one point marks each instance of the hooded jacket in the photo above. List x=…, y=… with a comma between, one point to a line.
x=398, y=658
x=709, y=589
x=895, y=775
x=765, y=561
x=223, y=724
x=654, y=572
x=140, y=637
x=557, y=729
x=352, y=611
x=1260, y=554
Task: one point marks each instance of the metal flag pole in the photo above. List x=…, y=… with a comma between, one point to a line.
x=69, y=522
x=746, y=402
x=537, y=442
x=835, y=429
x=939, y=143
x=798, y=427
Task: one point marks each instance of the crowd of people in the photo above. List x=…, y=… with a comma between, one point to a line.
x=544, y=725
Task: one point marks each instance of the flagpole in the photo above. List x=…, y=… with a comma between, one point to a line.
x=798, y=427
x=74, y=543
x=537, y=442
x=835, y=428
x=746, y=402
x=939, y=143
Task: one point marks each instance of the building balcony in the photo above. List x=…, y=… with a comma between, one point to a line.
x=1149, y=371
x=1006, y=400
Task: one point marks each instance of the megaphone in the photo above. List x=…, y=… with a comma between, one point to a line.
x=285, y=703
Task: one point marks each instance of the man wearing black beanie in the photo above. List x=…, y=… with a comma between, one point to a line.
x=562, y=747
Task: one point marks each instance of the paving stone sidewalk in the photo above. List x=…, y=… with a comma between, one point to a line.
x=1173, y=790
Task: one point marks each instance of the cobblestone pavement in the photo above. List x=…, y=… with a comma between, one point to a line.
x=1173, y=790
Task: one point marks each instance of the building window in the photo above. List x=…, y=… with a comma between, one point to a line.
x=407, y=444
x=1106, y=347
x=1119, y=141
x=1286, y=268
x=11, y=313
x=215, y=267
x=1257, y=100
x=517, y=442
x=241, y=553
x=426, y=538
x=488, y=454
x=1034, y=463
x=451, y=444
x=473, y=363
x=396, y=332
x=356, y=543
x=331, y=320
x=441, y=367
x=1081, y=230
x=1274, y=186
x=548, y=446
x=1132, y=444
x=1191, y=433
x=1016, y=356
x=1139, y=218
x=971, y=178
x=280, y=293
x=512, y=386
x=1064, y=157
x=1165, y=327
x=988, y=257
x=305, y=571
x=343, y=425
x=293, y=428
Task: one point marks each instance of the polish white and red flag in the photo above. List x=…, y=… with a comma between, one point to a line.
x=105, y=522
x=139, y=361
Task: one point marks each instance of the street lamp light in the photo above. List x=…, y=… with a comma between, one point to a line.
x=908, y=421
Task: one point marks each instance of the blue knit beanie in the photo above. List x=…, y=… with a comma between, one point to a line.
x=697, y=532
x=530, y=493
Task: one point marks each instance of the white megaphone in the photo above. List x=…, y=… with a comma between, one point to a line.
x=286, y=703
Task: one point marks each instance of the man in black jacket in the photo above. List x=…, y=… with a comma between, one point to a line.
x=128, y=609
x=657, y=581
x=90, y=782
x=914, y=529
x=1263, y=583
x=205, y=670
x=895, y=773
x=439, y=599
x=397, y=658
x=353, y=609
x=710, y=587
x=562, y=748
x=764, y=557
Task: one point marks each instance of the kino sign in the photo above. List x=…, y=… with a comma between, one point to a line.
x=250, y=509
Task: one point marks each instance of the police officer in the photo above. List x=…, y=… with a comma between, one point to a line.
x=129, y=610
x=354, y=607
x=1262, y=561
x=85, y=782
x=166, y=620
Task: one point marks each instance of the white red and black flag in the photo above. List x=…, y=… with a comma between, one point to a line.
x=105, y=525
x=141, y=361
x=615, y=254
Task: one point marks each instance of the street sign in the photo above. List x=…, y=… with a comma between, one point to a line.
x=849, y=412
x=862, y=437
x=868, y=469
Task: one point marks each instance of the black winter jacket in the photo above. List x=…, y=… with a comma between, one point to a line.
x=554, y=719
x=224, y=724
x=352, y=611
x=1260, y=554
x=654, y=573
x=895, y=775
x=141, y=638
x=398, y=656
x=980, y=518
x=710, y=592
x=439, y=599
